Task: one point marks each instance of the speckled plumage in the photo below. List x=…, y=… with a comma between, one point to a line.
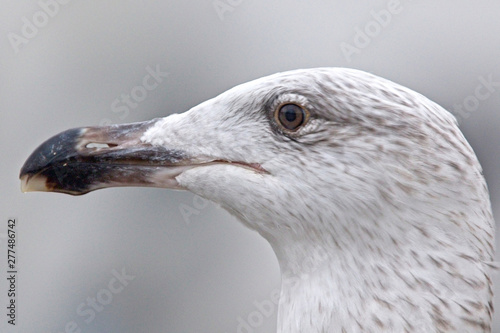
x=376, y=208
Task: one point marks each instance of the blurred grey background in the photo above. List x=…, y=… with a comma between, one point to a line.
x=187, y=266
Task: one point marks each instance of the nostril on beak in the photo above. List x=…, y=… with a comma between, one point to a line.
x=100, y=145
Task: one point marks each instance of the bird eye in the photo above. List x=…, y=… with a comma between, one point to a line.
x=291, y=116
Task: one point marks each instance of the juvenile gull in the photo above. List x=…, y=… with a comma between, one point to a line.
x=369, y=194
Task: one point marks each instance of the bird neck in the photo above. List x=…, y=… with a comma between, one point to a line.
x=378, y=284
x=330, y=294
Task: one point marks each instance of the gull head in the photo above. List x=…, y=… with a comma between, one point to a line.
x=369, y=194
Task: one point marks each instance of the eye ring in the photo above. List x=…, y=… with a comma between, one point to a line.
x=291, y=116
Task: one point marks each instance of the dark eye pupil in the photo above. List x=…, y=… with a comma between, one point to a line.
x=291, y=116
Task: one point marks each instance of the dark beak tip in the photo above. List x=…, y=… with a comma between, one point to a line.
x=50, y=150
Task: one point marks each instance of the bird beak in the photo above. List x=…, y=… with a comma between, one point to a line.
x=81, y=160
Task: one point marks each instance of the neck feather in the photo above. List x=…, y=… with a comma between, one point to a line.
x=427, y=281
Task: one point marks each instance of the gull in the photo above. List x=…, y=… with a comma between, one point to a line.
x=369, y=194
